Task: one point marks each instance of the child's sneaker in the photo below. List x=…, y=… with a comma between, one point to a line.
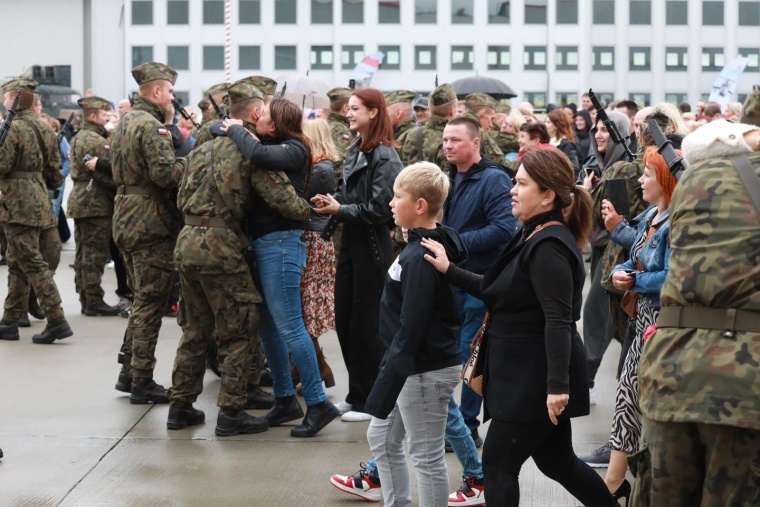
x=471, y=492
x=362, y=485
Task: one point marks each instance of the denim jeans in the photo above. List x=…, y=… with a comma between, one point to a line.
x=472, y=311
x=421, y=412
x=280, y=260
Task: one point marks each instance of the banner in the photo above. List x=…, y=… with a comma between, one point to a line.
x=724, y=88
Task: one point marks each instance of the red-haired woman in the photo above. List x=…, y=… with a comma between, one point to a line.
x=562, y=136
x=363, y=207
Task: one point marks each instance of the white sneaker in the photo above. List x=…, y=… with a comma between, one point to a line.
x=592, y=396
x=110, y=265
x=343, y=407
x=353, y=416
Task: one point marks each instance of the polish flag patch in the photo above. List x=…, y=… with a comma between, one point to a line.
x=346, y=137
x=107, y=147
x=163, y=132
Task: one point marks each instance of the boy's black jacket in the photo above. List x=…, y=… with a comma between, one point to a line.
x=419, y=321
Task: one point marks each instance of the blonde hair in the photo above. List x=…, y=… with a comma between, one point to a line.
x=424, y=180
x=516, y=119
x=676, y=119
x=317, y=131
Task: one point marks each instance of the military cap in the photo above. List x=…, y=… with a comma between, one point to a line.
x=751, y=108
x=153, y=70
x=399, y=97
x=93, y=103
x=443, y=94
x=337, y=94
x=204, y=103
x=263, y=83
x=217, y=89
x=420, y=103
x=479, y=100
x=21, y=84
x=243, y=90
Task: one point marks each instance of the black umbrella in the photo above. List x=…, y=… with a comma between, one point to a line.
x=480, y=84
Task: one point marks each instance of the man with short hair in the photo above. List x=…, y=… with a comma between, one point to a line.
x=628, y=108
x=124, y=107
x=586, y=102
x=481, y=108
x=400, y=112
x=426, y=141
x=421, y=111
x=712, y=112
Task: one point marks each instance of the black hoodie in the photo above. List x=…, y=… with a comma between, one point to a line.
x=419, y=321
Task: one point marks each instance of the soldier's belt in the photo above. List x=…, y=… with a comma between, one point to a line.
x=203, y=221
x=133, y=190
x=25, y=175
x=728, y=320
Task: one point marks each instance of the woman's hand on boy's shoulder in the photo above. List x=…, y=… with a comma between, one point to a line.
x=437, y=256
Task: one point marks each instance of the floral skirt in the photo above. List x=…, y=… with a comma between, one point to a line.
x=318, y=285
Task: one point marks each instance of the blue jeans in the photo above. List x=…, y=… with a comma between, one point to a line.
x=458, y=434
x=280, y=260
x=472, y=311
x=59, y=200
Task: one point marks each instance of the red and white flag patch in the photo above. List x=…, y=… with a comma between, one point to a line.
x=163, y=132
x=107, y=147
x=346, y=137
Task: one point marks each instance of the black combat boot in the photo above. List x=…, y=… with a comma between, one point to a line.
x=317, y=417
x=145, y=391
x=34, y=307
x=285, y=409
x=266, y=378
x=258, y=399
x=102, y=310
x=235, y=422
x=124, y=382
x=184, y=415
x=24, y=322
x=8, y=330
x=55, y=330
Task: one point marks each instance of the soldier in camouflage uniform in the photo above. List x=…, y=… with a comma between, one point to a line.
x=28, y=159
x=482, y=108
x=266, y=85
x=425, y=143
x=400, y=110
x=145, y=223
x=91, y=205
x=217, y=289
x=506, y=141
x=219, y=93
x=341, y=134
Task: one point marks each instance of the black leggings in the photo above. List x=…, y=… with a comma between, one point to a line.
x=509, y=445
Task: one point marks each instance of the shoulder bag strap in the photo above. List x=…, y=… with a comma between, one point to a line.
x=749, y=178
x=221, y=206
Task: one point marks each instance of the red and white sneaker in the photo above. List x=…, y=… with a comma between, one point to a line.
x=471, y=492
x=360, y=484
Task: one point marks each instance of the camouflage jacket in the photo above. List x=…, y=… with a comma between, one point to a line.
x=698, y=375
x=26, y=201
x=631, y=172
x=94, y=191
x=506, y=142
x=216, y=250
x=401, y=132
x=143, y=155
x=203, y=135
x=341, y=136
x=432, y=143
x=487, y=144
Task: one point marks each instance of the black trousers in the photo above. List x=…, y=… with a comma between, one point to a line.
x=122, y=287
x=358, y=289
x=509, y=445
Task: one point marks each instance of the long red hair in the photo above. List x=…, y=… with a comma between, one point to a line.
x=380, y=130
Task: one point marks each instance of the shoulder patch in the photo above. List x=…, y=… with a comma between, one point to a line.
x=346, y=137
x=107, y=147
x=163, y=132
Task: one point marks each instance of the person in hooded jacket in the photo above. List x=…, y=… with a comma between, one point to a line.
x=583, y=134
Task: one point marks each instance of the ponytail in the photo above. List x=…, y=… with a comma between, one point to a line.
x=578, y=215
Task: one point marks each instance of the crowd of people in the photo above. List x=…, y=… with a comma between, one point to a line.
x=407, y=225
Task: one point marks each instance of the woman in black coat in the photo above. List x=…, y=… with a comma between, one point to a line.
x=534, y=361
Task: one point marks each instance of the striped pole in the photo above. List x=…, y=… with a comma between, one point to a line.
x=228, y=40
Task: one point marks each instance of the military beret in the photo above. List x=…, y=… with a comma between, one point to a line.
x=399, y=97
x=243, y=90
x=443, y=94
x=263, y=83
x=93, y=103
x=751, y=108
x=217, y=89
x=420, y=103
x=154, y=70
x=479, y=100
x=21, y=84
x=337, y=94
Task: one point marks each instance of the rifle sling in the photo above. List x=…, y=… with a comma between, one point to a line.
x=749, y=178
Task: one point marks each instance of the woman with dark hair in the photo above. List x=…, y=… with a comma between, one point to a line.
x=280, y=261
x=363, y=207
x=534, y=373
x=583, y=134
x=533, y=135
x=561, y=135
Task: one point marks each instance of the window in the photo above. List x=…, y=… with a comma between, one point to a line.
x=604, y=58
x=704, y=97
x=322, y=12
x=141, y=54
x=461, y=57
x=640, y=12
x=142, y=12
x=285, y=57
x=353, y=11
x=498, y=12
x=425, y=58
x=321, y=57
x=183, y=98
x=178, y=57
x=712, y=13
x=741, y=98
x=676, y=58
x=285, y=14
x=535, y=12
x=641, y=99
x=392, y=59
x=749, y=13
x=565, y=98
x=389, y=13
x=676, y=98
x=639, y=58
x=712, y=58
x=605, y=97
x=604, y=12
x=249, y=58
x=534, y=58
x=213, y=12
x=567, y=58
x=753, y=58
x=213, y=57
x=676, y=12
x=567, y=12
x=250, y=12
x=350, y=56
x=498, y=58
x=461, y=12
x=538, y=99
x=177, y=12
x=425, y=12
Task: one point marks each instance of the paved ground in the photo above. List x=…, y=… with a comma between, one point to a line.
x=70, y=439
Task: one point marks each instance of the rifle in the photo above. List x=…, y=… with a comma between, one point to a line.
x=5, y=127
x=67, y=125
x=221, y=114
x=665, y=148
x=610, y=125
x=181, y=110
x=284, y=87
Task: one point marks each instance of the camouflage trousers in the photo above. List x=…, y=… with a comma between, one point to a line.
x=696, y=465
x=150, y=274
x=92, y=236
x=225, y=303
x=33, y=256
